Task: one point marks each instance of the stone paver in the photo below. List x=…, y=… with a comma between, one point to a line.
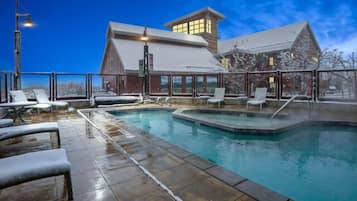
x=199, y=162
x=181, y=176
x=259, y=192
x=225, y=175
x=161, y=163
x=162, y=143
x=179, y=152
x=105, y=194
x=209, y=189
x=138, y=186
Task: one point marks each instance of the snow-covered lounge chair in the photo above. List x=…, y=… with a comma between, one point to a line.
x=100, y=99
x=19, y=96
x=28, y=129
x=218, y=96
x=259, y=97
x=6, y=122
x=27, y=167
x=42, y=98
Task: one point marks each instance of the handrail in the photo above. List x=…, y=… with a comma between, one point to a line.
x=282, y=107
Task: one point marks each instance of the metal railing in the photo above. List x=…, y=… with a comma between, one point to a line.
x=317, y=85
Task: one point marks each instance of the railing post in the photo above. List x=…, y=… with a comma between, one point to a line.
x=88, y=85
x=6, y=87
x=52, y=86
x=170, y=84
x=279, y=85
x=55, y=86
x=117, y=86
x=149, y=85
x=11, y=81
x=315, y=85
x=247, y=91
x=1, y=75
x=194, y=85
x=355, y=85
x=220, y=80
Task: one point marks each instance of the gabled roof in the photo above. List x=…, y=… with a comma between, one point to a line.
x=156, y=34
x=266, y=41
x=167, y=57
x=207, y=9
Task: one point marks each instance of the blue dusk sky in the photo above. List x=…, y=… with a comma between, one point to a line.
x=70, y=34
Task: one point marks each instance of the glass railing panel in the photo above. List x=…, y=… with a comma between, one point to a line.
x=337, y=85
x=159, y=84
x=235, y=84
x=31, y=81
x=296, y=83
x=71, y=86
x=104, y=83
x=263, y=79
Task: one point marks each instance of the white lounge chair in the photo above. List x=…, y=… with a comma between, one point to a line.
x=218, y=96
x=6, y=122
x=27, y=167
x=42, y=98
x=19, y=96
x=259, y=97
x=28, y=129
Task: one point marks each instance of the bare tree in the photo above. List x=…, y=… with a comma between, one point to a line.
x=331, y=59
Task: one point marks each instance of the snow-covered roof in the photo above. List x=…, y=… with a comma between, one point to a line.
x=167, y=57
x=156, y=34
x=207, y=9
x=266, y=41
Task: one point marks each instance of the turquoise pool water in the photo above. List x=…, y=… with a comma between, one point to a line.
x=315, y=163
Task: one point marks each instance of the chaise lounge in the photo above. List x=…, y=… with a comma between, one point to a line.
x=259, y=97
x=42, y=98
x=19, y=96
x=6, y=122
x=27, y=167
x=218, y=96
x=28, y=129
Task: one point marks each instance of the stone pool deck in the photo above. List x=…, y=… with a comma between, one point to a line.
x=102, y=173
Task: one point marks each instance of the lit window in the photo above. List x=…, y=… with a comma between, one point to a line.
x=197, y=26
x=271, y=61
x=226, y=62
x=182, y=28
x=209, y=26
x=271, y=79
x=315, y=59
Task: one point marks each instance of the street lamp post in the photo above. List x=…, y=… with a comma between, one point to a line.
x=17, y=36
x=146, y=63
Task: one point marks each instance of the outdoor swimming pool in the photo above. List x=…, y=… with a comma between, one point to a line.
x=316, y=163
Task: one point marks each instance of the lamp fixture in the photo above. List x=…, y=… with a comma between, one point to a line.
x=28, y=22
x=145, y=37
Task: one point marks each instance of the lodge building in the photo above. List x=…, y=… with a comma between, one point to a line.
x=192, y=46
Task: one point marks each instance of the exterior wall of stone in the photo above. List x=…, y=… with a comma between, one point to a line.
x=305, y=48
